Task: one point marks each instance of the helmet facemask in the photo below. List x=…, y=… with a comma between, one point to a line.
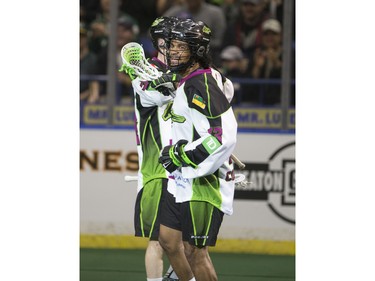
x=196, y=37
x=179, y=56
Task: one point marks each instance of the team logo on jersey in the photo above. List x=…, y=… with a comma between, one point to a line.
x=198, y=100
x=168, y=113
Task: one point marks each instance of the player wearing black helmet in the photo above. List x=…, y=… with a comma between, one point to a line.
x=153, y=132
x=160, y=29
x=204, y=132
x=196, y=36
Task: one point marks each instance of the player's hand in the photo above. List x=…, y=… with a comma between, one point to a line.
x=166, y=81
x=166, y=91
x=171, y=156
x=164, y=84
x=129, y=71
x=146, y=85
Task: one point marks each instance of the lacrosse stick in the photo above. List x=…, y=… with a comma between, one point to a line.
x=128, y=178
x=239, y=180
x=237, y=161
x=134, y=60
x=135, y=65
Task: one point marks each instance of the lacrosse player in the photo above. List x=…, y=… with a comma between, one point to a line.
x=204, y=132
x=153, y=132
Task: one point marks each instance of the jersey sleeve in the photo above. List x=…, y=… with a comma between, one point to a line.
x=228, y=89
x=149, y=98
x=224, y=83
x=213, y=147
x=215, y=128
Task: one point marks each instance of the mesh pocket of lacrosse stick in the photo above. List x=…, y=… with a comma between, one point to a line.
x=240, y=181
x=133, y=56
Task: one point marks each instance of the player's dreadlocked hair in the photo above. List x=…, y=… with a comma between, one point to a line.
x=197, y=35
x=161, y=28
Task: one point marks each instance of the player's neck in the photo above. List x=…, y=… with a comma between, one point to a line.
x=191, y=69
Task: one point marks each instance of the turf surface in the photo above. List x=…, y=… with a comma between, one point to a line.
x=128, y=265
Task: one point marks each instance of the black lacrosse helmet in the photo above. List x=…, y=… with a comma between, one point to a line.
x=161, y=28
x=196, y=34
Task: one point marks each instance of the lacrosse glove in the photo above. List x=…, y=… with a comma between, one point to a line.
x=173, y=156
x=129, y=71
x=146, y=85
x=165, y=83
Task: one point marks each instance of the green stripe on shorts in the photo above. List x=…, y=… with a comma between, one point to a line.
x=201, y=216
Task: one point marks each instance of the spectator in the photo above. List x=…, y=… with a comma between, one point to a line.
x=245, y=32
x=145, y=12
x=231, y=10
x=89, y=90
x=215, y=2
x=210, y=14
x=88, y=10
x=100, y=26
x=234, y=65
x=276, y=9
x=127, y=31
x=267, y=63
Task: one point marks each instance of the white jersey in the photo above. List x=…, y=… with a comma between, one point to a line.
x=153, y=131
x=227, y=87
x=202, y=115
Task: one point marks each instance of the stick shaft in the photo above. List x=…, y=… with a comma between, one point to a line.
x=237, y=161
x=130, y=178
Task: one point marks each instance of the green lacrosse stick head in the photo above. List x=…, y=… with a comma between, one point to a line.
x=133, y=53
x=135, y=64
x=129, y=71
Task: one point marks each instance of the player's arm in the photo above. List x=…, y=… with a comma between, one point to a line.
x=148, y=95
x=206, y=154
x=166, y=84
x=215, y=145
x=214, y=134
x=224, y=83
x=155, y=92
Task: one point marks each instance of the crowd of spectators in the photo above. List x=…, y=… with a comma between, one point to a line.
x=246, y=42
